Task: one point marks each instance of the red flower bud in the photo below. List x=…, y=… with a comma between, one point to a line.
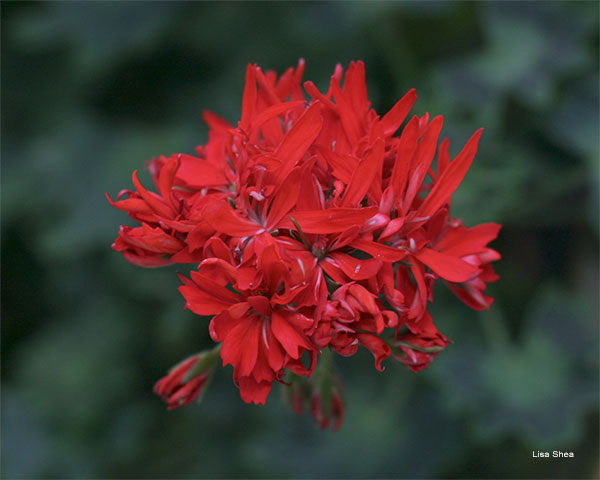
x=418, y=351
x=187, y=380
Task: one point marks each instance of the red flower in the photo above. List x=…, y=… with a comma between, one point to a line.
x=261, y=333
x=316, y=225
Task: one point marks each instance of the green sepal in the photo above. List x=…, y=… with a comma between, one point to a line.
x=206, y=361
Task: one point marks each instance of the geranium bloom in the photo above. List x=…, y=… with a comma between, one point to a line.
x=317, y=226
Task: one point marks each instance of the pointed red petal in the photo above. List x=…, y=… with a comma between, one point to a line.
x=446, y=266
x=313, y=91
x=342, y=165
x=422, y=159
x=214, y=121
x=224, y=219
x=443, y=159
x=379, y=250
x=275, y=354
x=377, y=346
x=131, y=205
x=274, y=111
x=249, y=346
x=355, y=87
x=284, y=200
x=346, y=113
x=152, y=199
x=467, y=241
x=145, y=260
x=196, y=172
x=332, y=220
x=202, y=302
x=356, y=269
x=451, y=177
x=392, y=120
x=166, y=178
x=289, y=338
x=363, y=176
x=249, y=97
x=298, y=139
x=404, y=154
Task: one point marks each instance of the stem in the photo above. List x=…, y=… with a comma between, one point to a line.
x=419, y=349
x=300, y=232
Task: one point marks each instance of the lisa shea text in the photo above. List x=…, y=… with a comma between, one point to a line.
x=555, y=454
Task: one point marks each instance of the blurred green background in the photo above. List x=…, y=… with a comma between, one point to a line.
x=91, y=90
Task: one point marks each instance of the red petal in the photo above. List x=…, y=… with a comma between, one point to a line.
x=355, y=87
x=363, y=175
x=312, y=195
x=205, y=297
x=196, y=172
x=214, y=121
x=346, y=113
x=423, y=157
x=467, y=241
x=296, y=142
x=262, y=371
x=214, y=271
x=166, y=178
x=153, y=240
x=275, y=354
x=274, y=111
x=356, y=269
x=240, y=346
x=377, y=346
x=472, y=297
x=284, y=200
x=419, y=301
x=153, y=200
x=379, y=250
x=252, y=391
x=145, y=260
x=394, y=118
x=443, y=159
x=333, y=270
x=222, y=323
x=224, y=219
x=249, y=97
x=342, y=165
x=451, y=177
x=261, y=304
x=313, y=91
x=332, y=220
x=446, y=266
x=405, y=151
x=289, y=338
x=201, y=302
x=131, y=205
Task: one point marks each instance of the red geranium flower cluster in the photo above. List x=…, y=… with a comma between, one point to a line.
x=316, y=226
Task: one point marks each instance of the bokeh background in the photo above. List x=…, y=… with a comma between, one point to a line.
x=91, y=90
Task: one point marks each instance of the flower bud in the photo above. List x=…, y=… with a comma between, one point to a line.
x=327, y=405
x=417, y=351
x=187, y=381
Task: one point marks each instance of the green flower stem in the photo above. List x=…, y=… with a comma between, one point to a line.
x=206, y=361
